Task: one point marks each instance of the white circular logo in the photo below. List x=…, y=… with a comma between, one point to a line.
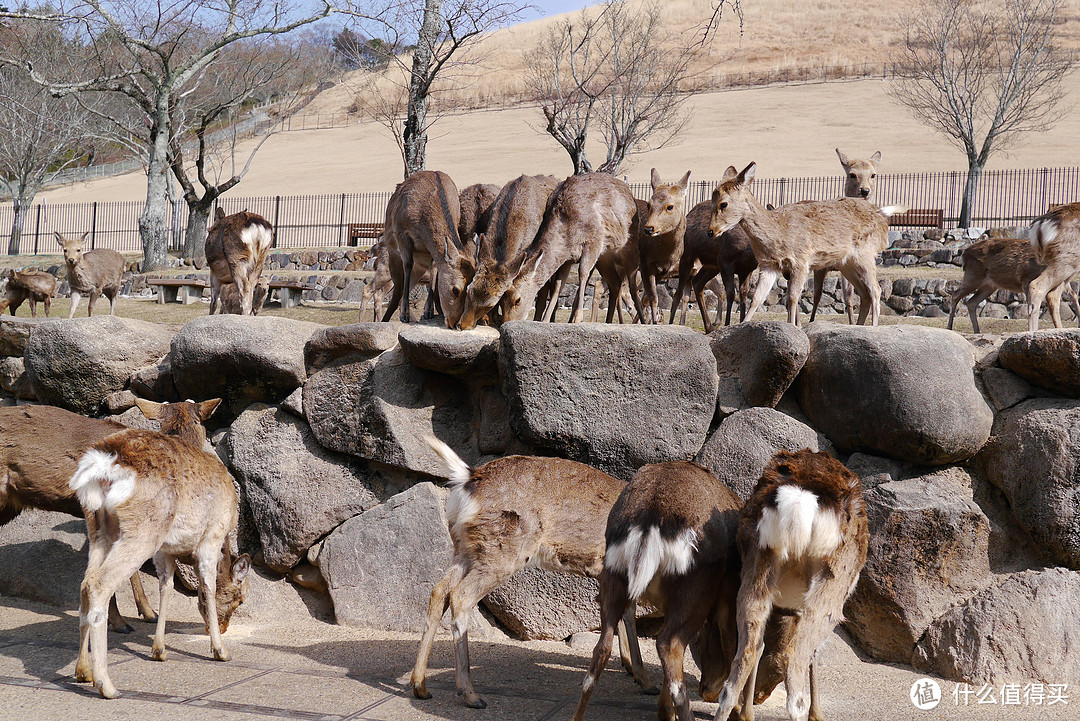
x=925, y=694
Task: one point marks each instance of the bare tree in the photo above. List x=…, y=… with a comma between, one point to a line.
x=983, y=74
x=152, y=54
x=617, y=69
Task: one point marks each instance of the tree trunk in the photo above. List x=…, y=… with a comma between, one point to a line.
x=974, y=173
x=154, y=220
x=17, y=226
x=581, y=161
x=198, y=220
x=415, y=134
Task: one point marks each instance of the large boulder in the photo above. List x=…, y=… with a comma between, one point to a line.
x=155, y=382
x=765, y=356
x=928, y=551
x=382, y=408
x=364, y=339
x=459, y=353
x=1035, y=460
x=1047, y=358
x=902, y=391
x=75, y=363
x=538, y=604
x=43, y=557
x=242, y=359
x=296, y=491
x=615, y=397
x=744, y=442
x=1025, y=628
x=15, y=334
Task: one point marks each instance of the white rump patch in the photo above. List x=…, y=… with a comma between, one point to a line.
x=461, y=508
x=641, y=554
x=797, y=528
x=1042, y=234
x=458, y=472
x=890, y=210
x=100, y=481
x=257, y=238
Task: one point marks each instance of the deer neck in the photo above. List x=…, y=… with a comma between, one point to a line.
x=758, y=222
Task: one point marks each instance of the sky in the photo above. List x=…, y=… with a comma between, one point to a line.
x=554, y=7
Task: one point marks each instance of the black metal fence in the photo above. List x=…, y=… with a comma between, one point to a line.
x=1004, y=197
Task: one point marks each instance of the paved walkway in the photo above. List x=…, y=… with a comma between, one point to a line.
x=321, y=672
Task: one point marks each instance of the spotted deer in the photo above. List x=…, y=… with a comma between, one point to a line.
x=149, y=495
x=803, y=538
x=1055, y=237
x=510, y=513
x=236, y=250
x=91, y=272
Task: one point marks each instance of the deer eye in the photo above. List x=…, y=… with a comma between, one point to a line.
x=517, y=301
x=670, y=208
x=456, y=291
x=873, y=175
x=723, y=206
x=851, y=175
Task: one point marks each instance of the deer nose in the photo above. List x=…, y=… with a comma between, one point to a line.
x=649, y=230
x=864, y=192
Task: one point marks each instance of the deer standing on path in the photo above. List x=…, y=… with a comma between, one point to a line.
x=93, y=272
x=505, y=515
x=236, y=250
x=1055, y=237
x=660, y=238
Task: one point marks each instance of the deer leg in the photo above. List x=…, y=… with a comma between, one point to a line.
x=166, y=569
x=628, y=631
x=437, y=605
x=728, y=278
x=141, y=601
x=585, y=270
x=753, y=609
x=954, y=300
x=100, y=584
x=244, y=288
x=556, y=291
x=112, y=301
x=397, y=277
x=631, y=283
x=117, y=622
x=679, y=629
x=594, y=312
x=795, y=289
x=98, y=542
x=848, y=292
x=972, y=304
x=684, y=277
x=815, y=708
x=648, y=297
x=477, y=583
x=207, y=561
x=1053, y=303
x=613, y=603
x=766, y=279
x=819, y=282
x=685, y=304
x=744, y=293
x=91, y=299
x=75, y=297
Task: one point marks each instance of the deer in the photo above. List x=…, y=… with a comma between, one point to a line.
x=860, y=177
x=1055, y=238
x=33, y=285
x=660, y=237
x=475, y=201
x=803, y=538
x=422, y=223
x=671, y=543
x=236, y=250
x=230, y=297
x=381, y=283
x=149, y=495
x=793, y=240
x=1009, y=264
x=728, y=254
x=93, y=272
x=590, y=217
x=556, y=510
x=515, y=218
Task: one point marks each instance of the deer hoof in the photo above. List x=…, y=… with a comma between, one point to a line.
x=478, y=703
x=650, y=690
x=159, y=654
x=107, y=690
x=83, y=675
x=221, y=654
x=421, y=691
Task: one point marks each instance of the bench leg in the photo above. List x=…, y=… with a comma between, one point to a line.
x=167, y=293
x=190, y=294
x=289, y=297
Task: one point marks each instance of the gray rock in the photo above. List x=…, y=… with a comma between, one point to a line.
x=454, y=352
x=744, y=442
x=353, y=290
x=155, y=383
x=928, y=551
x=1025, y=628
x=609, y=396
x=118, y=402
x=901, y=304
x=875, y=470
x=13, y=378
x=538, y=604
x=1004, y=389
x=297, y=491
x=364, y=339
x=133, y=418
x=75, y=363
x=43, y=557
x=1047, y=358
x=903, y=391
x=294, y=403
x=241, y=359
x=15, y=334
x=382, y=408
x=1034, y=460
x=764, y=356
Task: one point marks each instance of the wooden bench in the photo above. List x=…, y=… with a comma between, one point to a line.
x=183, y=290
x=290, y=292
x=358, y=231
x=920, y=218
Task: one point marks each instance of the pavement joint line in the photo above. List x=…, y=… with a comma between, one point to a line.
x=230, y=685
x=554, y=710
x=370, y=706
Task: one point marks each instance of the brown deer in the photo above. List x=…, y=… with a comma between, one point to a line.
x=589, y=216
x=671, y=543
x=381, y=283
x=847, y=234
x=1055, y=237
x=728, y=254
x=236, y=250
x=475, y=201
x=93, y=272
x=422, y=224
x=146, y=494
x=660, y=238
x=230, y=297
x=1009, y=264
x=33, y=285
x=515, y=218
x=860, y=177
x=502, y=517
x=803, y=538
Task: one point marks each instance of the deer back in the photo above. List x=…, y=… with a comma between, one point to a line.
x=238, y=244
x=35, y=283
x=1008, y=263
x=475, y=201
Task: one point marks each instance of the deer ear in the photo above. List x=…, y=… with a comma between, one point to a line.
x=207, y=408
x=150, y=409
x=84, y=236
x=729, y=174
x=844, y=160
x=876, y=158
x=685, y=181
x=59, y=237
x=654, y=178
x=240, y=568
x=747, y=175
x=219, y=214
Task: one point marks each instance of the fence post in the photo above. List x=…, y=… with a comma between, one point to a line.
x=37, y=228
x=1044, y=174
x=341, y=220
x=277, y=214
x=783, y=183
x=93, y=227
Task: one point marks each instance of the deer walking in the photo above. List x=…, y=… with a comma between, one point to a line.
x=1055, y=237
x=145, y=494
x=33, y=285
x=803, y=537
x=557, y=509
x=660, y=238
x=236, y=250
x=91, y=272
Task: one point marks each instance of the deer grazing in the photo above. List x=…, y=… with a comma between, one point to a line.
x=671, y=543
x=847, y=234
x=803, y=537
x=422, y=225
x=505, y=515
x=590, y=217
x=93, y=272
x=1055, y=237
x=230, y=297
x=475, y=201
x=33, y=285
x=1009, y=264
x=515, y=218
x=860, y=177
x=149, y=495
x=660, y=238
x=236, y=249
